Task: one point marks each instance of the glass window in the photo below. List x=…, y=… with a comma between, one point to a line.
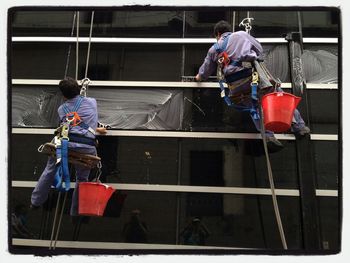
x=224, y=220
x=204, y=162
x=201, y=23
x=110, y=62
x=324, y=111
x=320, y=23
x=330, y=219
x=327, y=164
x=270, y=23
x=320, y=63
x=107, y=23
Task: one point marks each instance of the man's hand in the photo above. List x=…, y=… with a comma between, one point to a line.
x=198, y=78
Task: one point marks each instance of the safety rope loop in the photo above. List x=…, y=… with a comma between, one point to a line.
x=85, y=84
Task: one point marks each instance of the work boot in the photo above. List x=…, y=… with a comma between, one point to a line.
x=273, y=145
x=301, y=132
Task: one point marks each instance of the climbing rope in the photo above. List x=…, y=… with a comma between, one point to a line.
x=89, y=44
x=60, y=178
x=86, y=81
x=70, y=46
x=247, y=24
x=271, y=181
x=77, y=47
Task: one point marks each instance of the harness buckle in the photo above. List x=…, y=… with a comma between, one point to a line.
x=65, y=131
x=73, y=118
x=255, y=78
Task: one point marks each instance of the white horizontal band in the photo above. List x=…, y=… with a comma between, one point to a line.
x=158, y=40
x=154, y=84
x=178, y=134
x=109, y=245
x=198, y=189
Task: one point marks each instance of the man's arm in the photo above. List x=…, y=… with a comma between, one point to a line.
x=208, y=67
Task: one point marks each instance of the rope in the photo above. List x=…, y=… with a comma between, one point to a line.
x=89, y=45
x=272, y=185
x=77, y=48
x=70, y=46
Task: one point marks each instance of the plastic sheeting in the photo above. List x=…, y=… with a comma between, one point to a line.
x=152, y=109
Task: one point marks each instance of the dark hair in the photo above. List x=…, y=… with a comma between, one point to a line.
x=222, y=27
x=69, y=87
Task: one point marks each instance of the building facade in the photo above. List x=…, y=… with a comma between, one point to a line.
x=175, y=151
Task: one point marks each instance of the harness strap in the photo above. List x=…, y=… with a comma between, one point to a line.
x=62, y=174
x=81, y=139
x=74, y=117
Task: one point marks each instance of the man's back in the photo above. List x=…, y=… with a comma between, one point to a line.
x=87, y=112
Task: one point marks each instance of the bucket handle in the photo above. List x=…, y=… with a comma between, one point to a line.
x=99, y=172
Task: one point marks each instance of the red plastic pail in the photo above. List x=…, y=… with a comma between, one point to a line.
x=278, y=109
x=93, y=198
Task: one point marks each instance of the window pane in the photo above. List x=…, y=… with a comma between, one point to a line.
x=320, y=63
x=271, y=23
x=324, y=111
x=159, y=219
x=330, y=219
x=204, y=162
x=230, y=220
x=201, y=23
x=327, y=164
x=109, y=62
x=107, y=23
x=320, y=23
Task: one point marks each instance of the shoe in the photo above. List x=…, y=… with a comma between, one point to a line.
x=273, y=145
x=302, y=132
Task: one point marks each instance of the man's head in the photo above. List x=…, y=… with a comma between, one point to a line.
x=221, y=27
x=69, y=88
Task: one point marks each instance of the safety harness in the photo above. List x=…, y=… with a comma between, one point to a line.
x=223, y=61
x=63, y=136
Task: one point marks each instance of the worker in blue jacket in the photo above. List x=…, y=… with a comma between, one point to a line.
x=241, y=47
x=81, y=139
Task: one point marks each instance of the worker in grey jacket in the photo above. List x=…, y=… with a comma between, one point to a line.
x=241, y=48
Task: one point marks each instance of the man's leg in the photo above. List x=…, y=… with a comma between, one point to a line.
x=298, y=125
x=42, y=188
x=273, y=144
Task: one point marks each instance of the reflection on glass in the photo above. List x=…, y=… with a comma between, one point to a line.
x=320, y=23
x=324, y=111
x=326, y=164
x=107, y=23
x=271, y=23
x=201, y=23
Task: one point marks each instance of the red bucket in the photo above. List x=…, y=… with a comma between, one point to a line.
x=278, y=109
x=93, y=198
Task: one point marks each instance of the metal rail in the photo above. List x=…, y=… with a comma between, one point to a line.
x=153, y=84
x=198, y=189
x=158, y=40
